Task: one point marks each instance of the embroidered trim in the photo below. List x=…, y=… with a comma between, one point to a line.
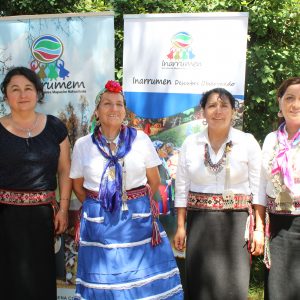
x=123, y=245
x=267, y=254
x=139, y=216
x=95, y=220
x=165, y=295
x=129, y=285
x=131, y=194
x=206, y=201
x=276, y=207
x=27, y=198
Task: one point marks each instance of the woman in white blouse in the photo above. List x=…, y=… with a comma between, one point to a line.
x=280, y=193
x=124, y=252
x=217, y=178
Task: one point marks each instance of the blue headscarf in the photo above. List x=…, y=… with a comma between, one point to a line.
x=110, y=190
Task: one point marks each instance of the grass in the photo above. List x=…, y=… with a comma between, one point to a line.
x=256, y=289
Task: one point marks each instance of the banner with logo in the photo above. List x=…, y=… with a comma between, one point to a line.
x=169, y=61
x=73, y=54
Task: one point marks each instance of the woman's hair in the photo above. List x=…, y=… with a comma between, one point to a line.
x=30, y=75
x=285, y=84
x=111, y=86
x=222, y=93
x=282, y=89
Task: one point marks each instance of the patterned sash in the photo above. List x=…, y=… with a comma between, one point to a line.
x=131, y=194
x=27, y=198
x=206, y=201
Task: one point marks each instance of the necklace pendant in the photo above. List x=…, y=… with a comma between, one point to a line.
x=29, y=133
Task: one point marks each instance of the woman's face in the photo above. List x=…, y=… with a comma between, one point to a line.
x=289, y=104
x=111, y=110
x=218, y=112
x=21, y=94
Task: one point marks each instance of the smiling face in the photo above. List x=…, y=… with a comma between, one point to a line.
x=218, y=112
x=289, y=104
x=111, y=110
x=21, y=94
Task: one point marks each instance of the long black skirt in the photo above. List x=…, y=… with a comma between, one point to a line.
x=282, y=281
x=27, y=263
x=217, y=260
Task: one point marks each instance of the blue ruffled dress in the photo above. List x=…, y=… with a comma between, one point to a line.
x=116, y=259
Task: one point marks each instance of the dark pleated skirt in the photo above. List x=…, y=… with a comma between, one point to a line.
x=27, y=263
x=282, y=281
x=217, y=260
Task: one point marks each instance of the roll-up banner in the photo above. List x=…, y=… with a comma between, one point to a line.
x=169, y=61
x=73, y=54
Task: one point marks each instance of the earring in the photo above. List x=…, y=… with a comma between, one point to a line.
x=279, y=114
x=97, y=119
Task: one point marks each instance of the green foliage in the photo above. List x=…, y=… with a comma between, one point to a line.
x=30, y=7
x=92, y=5
x=273, y=55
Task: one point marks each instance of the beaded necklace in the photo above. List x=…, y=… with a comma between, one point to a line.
x=218, y=166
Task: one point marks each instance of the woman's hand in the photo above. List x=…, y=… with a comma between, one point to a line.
x=179, y=239
x=61, y=221
x=258, y=241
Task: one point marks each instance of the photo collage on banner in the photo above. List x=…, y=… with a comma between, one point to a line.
x=73, y=64
x=169, y=61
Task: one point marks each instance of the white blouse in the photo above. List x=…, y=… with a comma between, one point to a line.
x=266, y=186
x=88, y=163
x=193, y=175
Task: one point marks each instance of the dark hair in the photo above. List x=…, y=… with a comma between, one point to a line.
x=285, y=84
x=282, y=89
x=221, y=92
x=30, y=75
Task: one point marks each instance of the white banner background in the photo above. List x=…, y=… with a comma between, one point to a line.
x=171, y=59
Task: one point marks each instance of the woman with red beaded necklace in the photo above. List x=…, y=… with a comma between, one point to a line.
x=217, y=177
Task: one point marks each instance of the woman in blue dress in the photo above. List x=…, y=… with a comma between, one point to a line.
x=124, y=252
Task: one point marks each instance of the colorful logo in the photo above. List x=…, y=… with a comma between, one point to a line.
x=181, y=47
x=47, y=51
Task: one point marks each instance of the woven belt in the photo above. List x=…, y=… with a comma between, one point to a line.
x=285, y=208
x=131, y=194
x=205, y=201
x=134, y=194
x=27, y=198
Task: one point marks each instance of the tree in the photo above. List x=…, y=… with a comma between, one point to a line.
x=29, y=7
